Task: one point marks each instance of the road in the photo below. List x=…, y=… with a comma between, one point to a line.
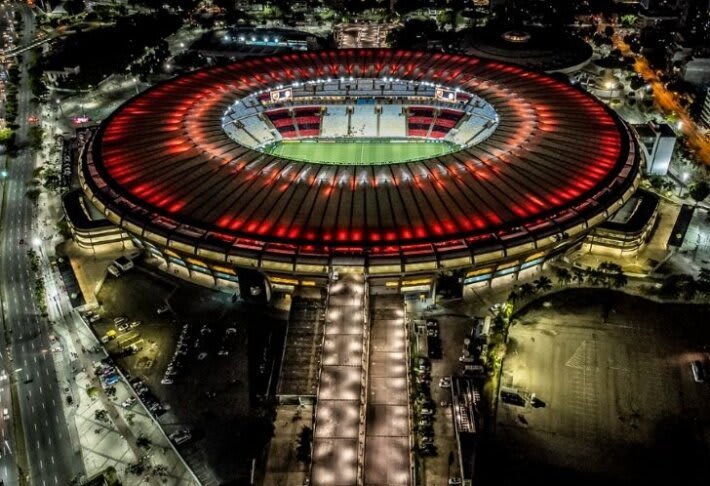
x=668, y=102
x=50, y=457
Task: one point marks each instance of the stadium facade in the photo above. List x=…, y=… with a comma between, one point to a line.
x=197, y=169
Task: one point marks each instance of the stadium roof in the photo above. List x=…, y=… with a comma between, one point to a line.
x=163, y=164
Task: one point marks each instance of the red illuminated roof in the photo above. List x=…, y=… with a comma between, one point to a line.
x=163, y=161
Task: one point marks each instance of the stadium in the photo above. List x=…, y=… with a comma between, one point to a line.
x=399, y=164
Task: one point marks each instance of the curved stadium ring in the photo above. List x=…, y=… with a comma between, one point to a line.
x=399, y=162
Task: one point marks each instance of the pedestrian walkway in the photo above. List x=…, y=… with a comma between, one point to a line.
x=387, y=440
x=339, y=415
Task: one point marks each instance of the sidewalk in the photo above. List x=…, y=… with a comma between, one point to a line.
x=283, y=467
x=113, y=441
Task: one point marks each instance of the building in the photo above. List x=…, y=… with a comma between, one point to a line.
x=533, y=165
x=705, y=109
x=625, y=233
x=697, y=71
x=657, y=143
x=532, y=47
x=88, y=229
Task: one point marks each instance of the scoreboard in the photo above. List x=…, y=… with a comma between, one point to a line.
x=281, y=95
x=445, y=94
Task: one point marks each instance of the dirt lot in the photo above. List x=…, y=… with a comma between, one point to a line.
x=219, y=397
x=621, y=405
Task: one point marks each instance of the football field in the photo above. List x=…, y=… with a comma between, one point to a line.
x=359, y=153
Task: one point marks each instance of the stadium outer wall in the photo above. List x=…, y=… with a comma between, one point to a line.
x=506, y=253
x=392, y=274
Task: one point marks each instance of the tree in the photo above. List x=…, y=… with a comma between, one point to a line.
x=143, y=442
x=514, y=295
x=527, y=290
x=676, y=285
x=101, y=415
x=618, y=280
x=564, y=276
x=579, y=275
x=703, y=281
x=543, y=284
x=303, y=451
x=74, y=7
x=698, y=191
x=596, y=277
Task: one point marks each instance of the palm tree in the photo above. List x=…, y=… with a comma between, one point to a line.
x=618, y=280
x=527, y=290
x=578, y=275
x=514, y=295
x=609, y=267
x=596, y=277
x=564, y=277
x=543, y=284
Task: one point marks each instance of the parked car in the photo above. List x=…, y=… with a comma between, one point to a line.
x=445, y=382
x=128, y=402
x=119, y=320
x=181, y=436
x=123, y=327
x=135, y=324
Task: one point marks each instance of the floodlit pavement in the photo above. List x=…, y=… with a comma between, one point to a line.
x=337, y=432
x=387, y=441
x=616, y=381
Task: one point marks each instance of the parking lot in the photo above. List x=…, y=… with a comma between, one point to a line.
x=206, y=361
x=442, y=464
x=616, y=399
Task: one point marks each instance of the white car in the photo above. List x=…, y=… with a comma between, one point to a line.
x=445, y=382
x=135, y=324
x=5, y=414
x=128, y=402
x=123, y=327
x=181, y=436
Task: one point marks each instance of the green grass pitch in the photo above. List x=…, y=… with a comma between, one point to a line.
x=359, y=153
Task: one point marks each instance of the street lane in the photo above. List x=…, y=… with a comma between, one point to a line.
x=51, y=458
